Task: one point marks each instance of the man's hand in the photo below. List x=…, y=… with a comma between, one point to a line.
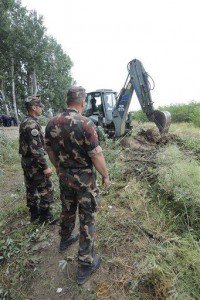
x=48, y=172
x=106, y=182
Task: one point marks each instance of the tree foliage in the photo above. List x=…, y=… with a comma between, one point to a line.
x=31, y=62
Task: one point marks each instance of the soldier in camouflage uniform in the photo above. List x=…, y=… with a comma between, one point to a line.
x=39, y=190
x=72, y=144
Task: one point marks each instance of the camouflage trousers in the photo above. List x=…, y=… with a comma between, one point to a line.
x=86, y=199
x=39, y=188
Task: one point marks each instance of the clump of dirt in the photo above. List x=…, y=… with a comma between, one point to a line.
x=150, y=135
x=137, y=143
x=147, y=140
x=153, y=136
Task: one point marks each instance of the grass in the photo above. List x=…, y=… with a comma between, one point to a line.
x=142, y=234
x=154, y=268
x=8, y=154
x=189, y=133
x=178, y=177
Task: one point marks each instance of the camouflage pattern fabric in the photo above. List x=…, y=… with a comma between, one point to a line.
x=86, y=199
x=101, y=134
x=33, y=101
x=31, y=148
x=73, y=140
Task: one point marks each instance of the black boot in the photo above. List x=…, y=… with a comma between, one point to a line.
x=84, y=272
x=46, y=217
x=65, y=243
x=34, y=213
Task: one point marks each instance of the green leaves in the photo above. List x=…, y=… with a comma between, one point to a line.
x=39, y=62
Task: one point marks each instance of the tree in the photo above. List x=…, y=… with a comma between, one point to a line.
x=55, y=78
x=30, y=61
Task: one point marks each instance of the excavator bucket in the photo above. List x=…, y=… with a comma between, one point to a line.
x=162, y=120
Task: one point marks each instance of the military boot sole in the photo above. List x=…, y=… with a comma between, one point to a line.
x=84, y=273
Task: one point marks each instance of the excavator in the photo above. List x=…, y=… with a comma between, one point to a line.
x=110, y=111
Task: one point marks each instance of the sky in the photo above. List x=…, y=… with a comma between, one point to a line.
x=102, y=36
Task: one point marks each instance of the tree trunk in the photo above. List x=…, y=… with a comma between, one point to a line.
x=34, y=83
x=13, y=90
x=3, y=97
x=29, y=84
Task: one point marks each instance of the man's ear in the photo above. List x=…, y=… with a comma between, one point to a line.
x=83, y=103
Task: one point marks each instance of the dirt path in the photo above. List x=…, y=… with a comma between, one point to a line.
x=11, y=132
x=56, y=271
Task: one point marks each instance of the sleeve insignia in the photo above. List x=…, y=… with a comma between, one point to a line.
x=34, y=132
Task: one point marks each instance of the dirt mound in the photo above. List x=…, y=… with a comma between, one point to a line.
x=147, y=140
x=153, y=136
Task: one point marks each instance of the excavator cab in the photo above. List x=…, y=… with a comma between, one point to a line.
x=99, y=107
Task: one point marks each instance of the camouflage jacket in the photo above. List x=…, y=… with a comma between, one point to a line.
x=31, y=142
x=73, y=139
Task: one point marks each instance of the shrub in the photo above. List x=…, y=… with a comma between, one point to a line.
x=179, y=113
x=195, y=116
x=183, y=112
x=139, y=116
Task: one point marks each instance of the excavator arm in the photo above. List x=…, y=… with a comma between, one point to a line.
x=137, y=80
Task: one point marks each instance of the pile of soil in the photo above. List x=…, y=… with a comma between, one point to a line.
x=148, y=139
x=141, y=151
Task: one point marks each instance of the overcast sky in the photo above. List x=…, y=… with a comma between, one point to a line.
x=102, y=36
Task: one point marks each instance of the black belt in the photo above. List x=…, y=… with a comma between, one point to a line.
x=76, y=168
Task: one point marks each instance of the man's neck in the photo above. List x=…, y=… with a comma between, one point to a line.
x=77, y=108
x=32, y=114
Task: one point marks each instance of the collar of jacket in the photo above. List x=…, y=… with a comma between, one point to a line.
x=34, y=118
x=73, y=109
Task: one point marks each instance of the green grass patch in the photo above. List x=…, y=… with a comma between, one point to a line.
x=178, y=177
x=8, y=150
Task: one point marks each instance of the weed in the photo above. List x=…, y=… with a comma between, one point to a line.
x=8, y=152
x=179, y=179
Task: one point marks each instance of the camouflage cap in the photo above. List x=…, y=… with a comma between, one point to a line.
x=33, y=101
x=76, y=93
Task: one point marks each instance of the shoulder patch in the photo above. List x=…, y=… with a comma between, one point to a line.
x=34, y=132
